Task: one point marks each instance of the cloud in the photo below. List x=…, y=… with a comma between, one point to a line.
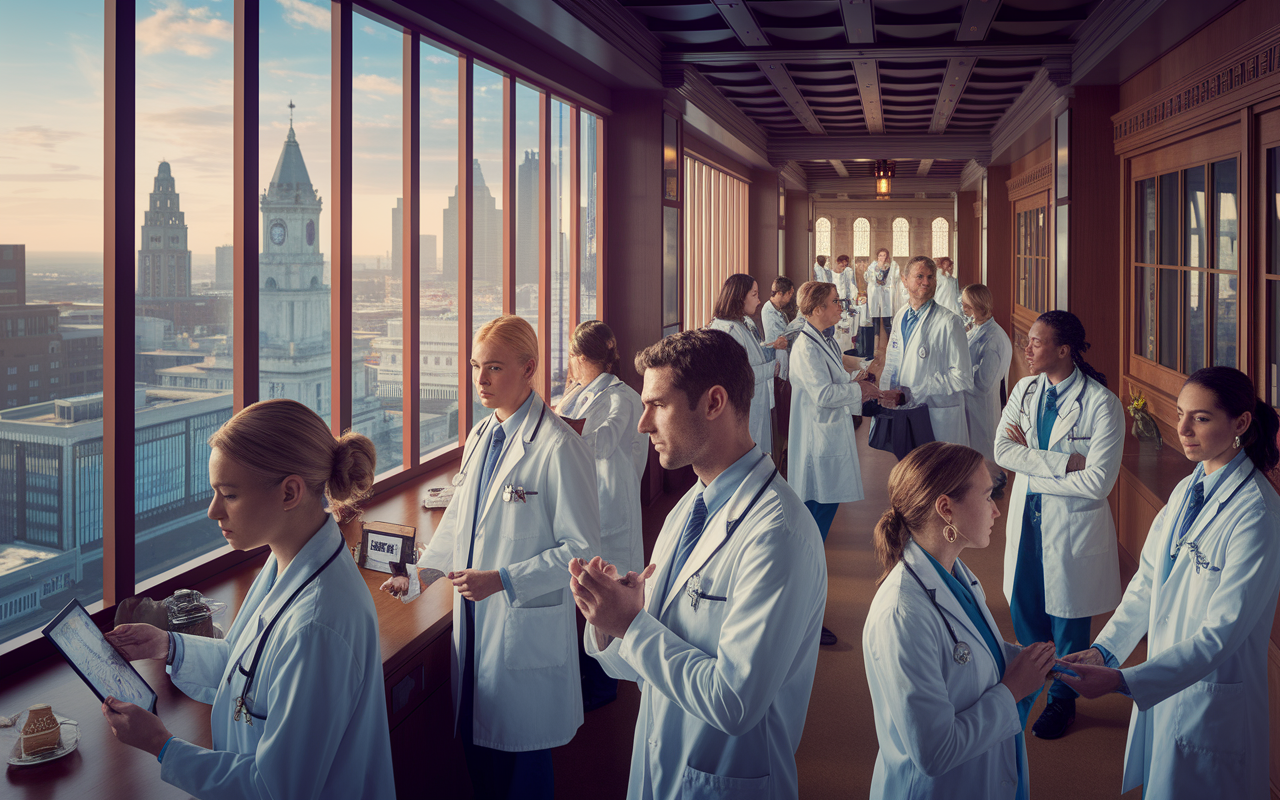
x=375, y=85
x=301, y=14
x=45, y=177
x=40, y=136
x=189, y=30
x=219, y=117
x=434, y=59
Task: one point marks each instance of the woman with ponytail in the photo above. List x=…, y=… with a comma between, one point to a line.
x=608, y=412
x=299, y=708
x=945, y=686
x=1062, y=434
x=1204, y=598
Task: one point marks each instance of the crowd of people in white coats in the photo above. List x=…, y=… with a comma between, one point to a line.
x=721, y=626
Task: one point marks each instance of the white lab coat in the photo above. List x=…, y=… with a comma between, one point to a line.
x=1081, y=562
x=823, y=451
x=528, y=694
x=775, y=324
x=318, y=683
x=725, y=688
x=934, y=366
x=991, y=353
x=1200, y=698
x=947, y=294
x=821, y=274
x=883, y=301
x=620, y=452
x=762, y=366
x=946, y=730
x=846, y=284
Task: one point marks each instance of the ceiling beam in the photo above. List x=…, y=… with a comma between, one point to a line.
x=803, y=147
x=840, y=168
x=776, y=73
x=859, y=21
x=978, y=16
x=869, y=94
x=742, y=22
x=829, y=54
x=926, y=164
x=953, y=83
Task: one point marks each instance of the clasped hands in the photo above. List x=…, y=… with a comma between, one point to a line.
x=1075, y=462
x=473, y=584
x=1096, y=678
x=610, y=603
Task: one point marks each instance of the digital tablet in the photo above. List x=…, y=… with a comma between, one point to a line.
x=94, y=659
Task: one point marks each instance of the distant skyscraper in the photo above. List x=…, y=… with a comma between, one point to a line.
x=486, y=236
x=428, y=256
x=397, y=236
x=224, y=267
x=527, y=239
x=164, y=262
x=13, y=274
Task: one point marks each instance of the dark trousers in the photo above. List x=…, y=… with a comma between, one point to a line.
x=823, y=514
x=887, y=322
x=1031, y=622
x=497, y=774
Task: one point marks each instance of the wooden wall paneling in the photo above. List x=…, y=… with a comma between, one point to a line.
x=1219, y=140
x=796, y=263
x=762, y=222
x=1136, y=513
x=1000, y=246
x=634, y=221
x=341, y=298
x=968, y=254
x=412, y=249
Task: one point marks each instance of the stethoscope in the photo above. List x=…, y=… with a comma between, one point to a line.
x=693, y=587
x=458, y=479
x=242, y=703
x=1071, y=435
x=961, y=653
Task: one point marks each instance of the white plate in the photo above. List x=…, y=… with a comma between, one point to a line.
x=69, y=741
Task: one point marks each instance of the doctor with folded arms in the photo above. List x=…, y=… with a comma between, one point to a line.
x=1204, y=598
x=721, y=631
x=945, y=686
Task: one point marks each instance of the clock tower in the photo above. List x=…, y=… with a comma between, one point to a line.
x=164, y=262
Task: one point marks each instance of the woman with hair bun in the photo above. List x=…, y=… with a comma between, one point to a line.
x=299, y=708
x=1204, y=597
x=945, y=686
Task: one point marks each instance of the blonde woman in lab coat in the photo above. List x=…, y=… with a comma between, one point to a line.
x=311, y=722
x=945, y=686
x=1204, y=598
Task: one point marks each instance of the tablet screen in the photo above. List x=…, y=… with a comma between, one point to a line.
x=95, y=660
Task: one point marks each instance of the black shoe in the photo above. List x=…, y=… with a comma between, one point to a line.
x=827, y=638
x=1057, y=715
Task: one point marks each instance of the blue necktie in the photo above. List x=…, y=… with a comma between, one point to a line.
x=688, y=539
x=1048, y=417
x=1194, y=504
x=909, y=321
x=496, y=441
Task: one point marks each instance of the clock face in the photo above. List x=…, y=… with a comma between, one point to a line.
x=277, y=233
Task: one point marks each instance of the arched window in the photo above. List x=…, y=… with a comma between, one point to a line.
x=941, y=238
x=901, y=240
x=822, y=236
x=861, y=238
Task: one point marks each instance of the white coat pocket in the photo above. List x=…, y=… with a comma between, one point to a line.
x=1210, y=740
x=535, y=638
x=699, y=785
x=519, y=519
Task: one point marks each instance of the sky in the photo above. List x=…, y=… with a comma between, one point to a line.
x=51, y=118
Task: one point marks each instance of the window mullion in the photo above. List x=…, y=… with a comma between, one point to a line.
x=411, y=226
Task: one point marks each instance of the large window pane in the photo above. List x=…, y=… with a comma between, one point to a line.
x=1195, y=218
x=670, y=266
x=50, y=252
x=1145, y=224
x=1146, y=329
x=486, y=204
x=294, y=338
x=1169, y=218
x=377, y=239
x=1224, y=320
x=561, y=229
x=438, y=288
x=1194, y=324
x=1169, y=318
x=528, y=207
x=1273, y=211
x=589, y=277
x=1273, y=344
x=1226, y=222
x=183, y=214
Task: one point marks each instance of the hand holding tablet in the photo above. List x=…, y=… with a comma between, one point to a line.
x=93, y=658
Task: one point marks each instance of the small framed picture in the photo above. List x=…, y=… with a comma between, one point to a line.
x=385, y=543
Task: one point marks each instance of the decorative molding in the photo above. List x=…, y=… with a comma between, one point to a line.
x=971, y=177
x=1242, y=68
x=803, y=147
x=1105, y=29
x=1035, y=101
x=675, y=75
x=617, y=26
x=702, y=94
x=1037, y=179
x=824, y=55
x=792, y=173
x=1058, y=70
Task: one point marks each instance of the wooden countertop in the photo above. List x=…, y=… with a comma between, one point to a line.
x=103, y=769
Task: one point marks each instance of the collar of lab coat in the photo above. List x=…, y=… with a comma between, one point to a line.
x=313, y=554
x=1070, y=398
x=714, y=532
x=598, y=386
x=821, y=341
x=915, y=557
x=1212, y=507
x=512, y=454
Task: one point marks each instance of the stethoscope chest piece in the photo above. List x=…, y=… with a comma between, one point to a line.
x=961, y=653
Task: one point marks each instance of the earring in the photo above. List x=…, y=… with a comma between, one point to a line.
x=1237, y=443
x=950, y=533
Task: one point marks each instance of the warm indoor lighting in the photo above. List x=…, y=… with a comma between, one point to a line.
x=884, y=172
